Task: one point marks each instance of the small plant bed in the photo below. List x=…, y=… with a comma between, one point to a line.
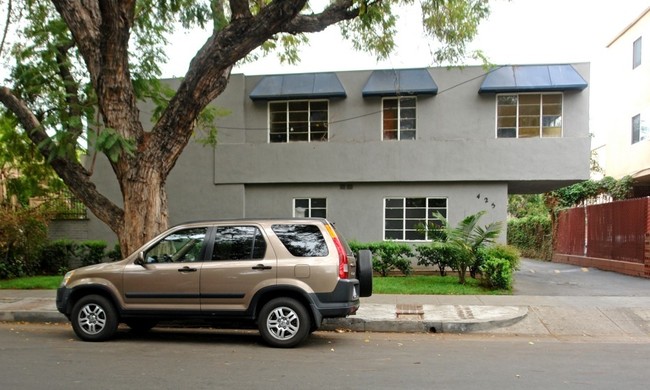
x=32, y=283
x=431, y=285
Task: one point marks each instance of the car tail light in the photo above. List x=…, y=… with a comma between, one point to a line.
x=344, y=271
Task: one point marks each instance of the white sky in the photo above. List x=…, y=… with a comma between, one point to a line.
x=517, y=32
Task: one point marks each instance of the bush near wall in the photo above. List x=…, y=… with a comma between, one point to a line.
x=22, y=233
x=532, y=235
x=386, y=256
x=58, y=256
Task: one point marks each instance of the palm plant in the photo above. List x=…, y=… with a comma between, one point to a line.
x=466, y=239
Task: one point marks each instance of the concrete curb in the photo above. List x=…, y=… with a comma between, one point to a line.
x=435, y=319
x=32, y=316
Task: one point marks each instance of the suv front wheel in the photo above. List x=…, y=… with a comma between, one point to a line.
x=94, y=318
x=284, y=322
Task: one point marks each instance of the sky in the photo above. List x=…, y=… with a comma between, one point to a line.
x=517, y=32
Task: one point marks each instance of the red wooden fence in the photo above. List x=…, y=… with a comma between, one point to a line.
x=613, y=236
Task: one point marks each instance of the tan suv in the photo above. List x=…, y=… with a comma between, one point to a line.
x=284, y=276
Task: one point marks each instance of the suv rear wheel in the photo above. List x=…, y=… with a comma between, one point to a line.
x=94, y=318
x=284, y=322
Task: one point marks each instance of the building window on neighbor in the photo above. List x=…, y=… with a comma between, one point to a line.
x=399, y=118
x=296, y=121
x=405, y=217
x=531, y=115
x=640, y=128
x=636, y=53
x=310, y=208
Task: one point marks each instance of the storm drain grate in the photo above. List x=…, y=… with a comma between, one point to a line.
x=409, y=311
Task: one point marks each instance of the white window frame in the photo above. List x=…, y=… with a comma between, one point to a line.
x=309, y=207
x=428, y=215
x=399, y=118
x=288, y=128
x=541, y=114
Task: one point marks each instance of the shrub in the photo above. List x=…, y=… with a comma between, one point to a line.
x=55, y=257
x=22, y=233
x=500, y=251
x=115, y=254
x=438, y=254
x=91, y=252
x=387, y=256
x=532, y=235
x=497, y=273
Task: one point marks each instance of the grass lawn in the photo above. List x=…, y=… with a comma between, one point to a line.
x=430, y=284
x=419, y=284
x=32, y=283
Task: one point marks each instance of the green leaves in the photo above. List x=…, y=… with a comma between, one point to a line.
x=573, y=195
x=112, y=144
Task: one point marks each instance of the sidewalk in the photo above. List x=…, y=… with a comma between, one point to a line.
x=559, y=316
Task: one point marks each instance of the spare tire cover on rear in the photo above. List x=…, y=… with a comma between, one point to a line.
x=364, y=272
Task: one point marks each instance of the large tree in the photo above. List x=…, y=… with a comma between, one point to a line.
x=81, y=66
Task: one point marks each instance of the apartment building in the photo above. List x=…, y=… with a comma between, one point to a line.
x=623, y=116
x=379, y=151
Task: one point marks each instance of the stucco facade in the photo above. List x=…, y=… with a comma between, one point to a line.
x=455, y=157
x=623, y=99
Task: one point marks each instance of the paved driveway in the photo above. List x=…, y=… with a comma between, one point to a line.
x=553, y=279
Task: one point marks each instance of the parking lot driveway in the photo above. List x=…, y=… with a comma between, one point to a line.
x=543, y=278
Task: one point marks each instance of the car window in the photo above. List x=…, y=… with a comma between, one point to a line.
x=302, y=240
x=180, y=246
x=238, y=243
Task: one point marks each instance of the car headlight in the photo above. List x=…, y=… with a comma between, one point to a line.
x=66, y=278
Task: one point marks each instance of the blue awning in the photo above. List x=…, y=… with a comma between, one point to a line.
x=298, y=86
x=400, y=82
x=533, y=78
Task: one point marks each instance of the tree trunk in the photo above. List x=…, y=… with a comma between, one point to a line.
x=145, y=209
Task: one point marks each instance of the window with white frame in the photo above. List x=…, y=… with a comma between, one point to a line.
x=404, y=217
x=300, y=120
x=399, y=118
x=636, y=53
x=310, y=208
x=640, y=128
x=531, y=115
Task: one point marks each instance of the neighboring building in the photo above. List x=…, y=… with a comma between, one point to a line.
x=623, y=112
x=377, y=152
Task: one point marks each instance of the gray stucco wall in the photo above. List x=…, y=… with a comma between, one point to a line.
x=358, y=211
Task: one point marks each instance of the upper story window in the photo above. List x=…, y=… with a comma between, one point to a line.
x=398, y=119
x=640, y=129
x=300, y=120
x=529, y=115
x=404, y=216
x=310, y=208
x=636, y=53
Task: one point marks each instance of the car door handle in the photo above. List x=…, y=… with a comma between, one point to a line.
x=262, y=266
x=187, y=269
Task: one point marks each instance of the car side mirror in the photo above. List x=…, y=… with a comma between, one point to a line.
x=140, y=260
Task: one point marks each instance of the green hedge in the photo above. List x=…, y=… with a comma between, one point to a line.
x=387, y=256
x=532, y=235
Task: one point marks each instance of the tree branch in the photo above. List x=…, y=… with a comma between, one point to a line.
x=84, y=20
x=72, y=172
x=334, y=13
x=239, y=9
x=71, y=89
x=209, y=72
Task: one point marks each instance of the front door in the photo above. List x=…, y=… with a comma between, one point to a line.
x=169, y=278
